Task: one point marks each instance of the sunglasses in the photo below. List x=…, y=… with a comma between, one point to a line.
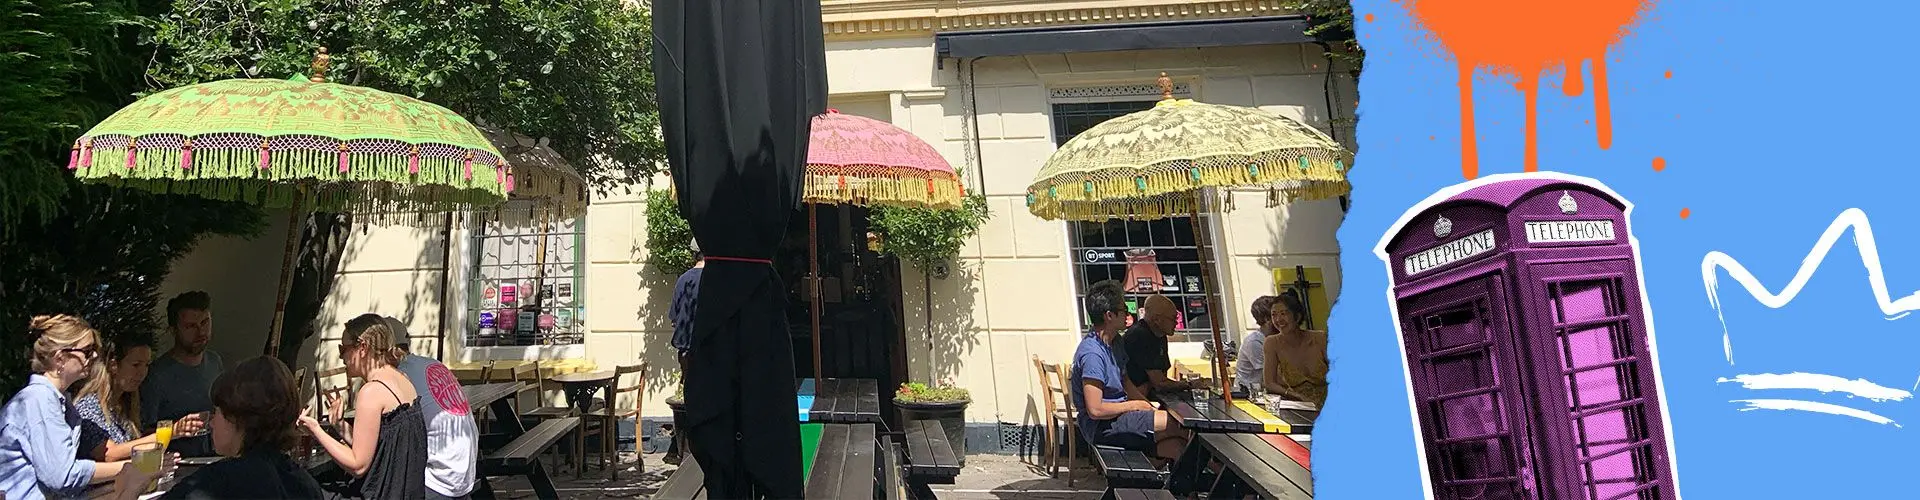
x=89, y=352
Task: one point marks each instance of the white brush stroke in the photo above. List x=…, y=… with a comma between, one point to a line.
x=1859, y=387
x=1830, y=409
x=1852, y=218
x=1646, y=308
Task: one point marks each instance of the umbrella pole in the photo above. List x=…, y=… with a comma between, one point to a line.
x=813, y=279
x=1213, y=307
x=295, y=223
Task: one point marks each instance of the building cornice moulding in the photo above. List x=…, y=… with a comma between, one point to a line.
x=860, y=19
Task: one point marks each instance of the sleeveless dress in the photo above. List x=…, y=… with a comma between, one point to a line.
x=401, y=454
x=1309, y=380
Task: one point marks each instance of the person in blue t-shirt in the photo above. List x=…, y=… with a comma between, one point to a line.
x=686, y=293
x=1100, y=388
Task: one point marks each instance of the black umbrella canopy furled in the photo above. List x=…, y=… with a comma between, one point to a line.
x=739, y=82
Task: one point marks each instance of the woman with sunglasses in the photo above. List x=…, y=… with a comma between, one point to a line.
x=40, y=432
x=388, y=436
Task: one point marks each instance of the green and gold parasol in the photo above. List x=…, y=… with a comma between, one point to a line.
x=1160, y=162
x=303, y=144
x=1154, y=163
x=298, y=142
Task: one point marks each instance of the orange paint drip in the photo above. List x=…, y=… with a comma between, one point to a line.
x=1522, y=39
x=1530, y=88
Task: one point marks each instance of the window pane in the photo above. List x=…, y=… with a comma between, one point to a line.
x=1602, y=386
x=1592, y=346
x=1477, y=415
x=527, y=282
x=1462, y=372
x=1585, y=300
x=1496, y=491
x=1454, y=328
x=1483, y=459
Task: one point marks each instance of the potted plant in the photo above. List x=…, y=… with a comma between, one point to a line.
x=941, y=402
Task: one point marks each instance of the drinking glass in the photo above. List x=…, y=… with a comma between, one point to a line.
x=163, y=432
x=147, y=458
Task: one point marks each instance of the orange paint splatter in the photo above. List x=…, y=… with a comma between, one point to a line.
x=1669, y=73
x=1521, y=39
x=1369, y=17
x=1684, y=213
x=1659, y=164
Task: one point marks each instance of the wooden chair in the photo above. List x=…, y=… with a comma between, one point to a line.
x=605, y=421
x=1057, y=401
x=485, y=415
x=321, y=393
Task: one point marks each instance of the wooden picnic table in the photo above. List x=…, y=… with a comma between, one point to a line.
x=844, y=467
x=1271, y=466
x=579, y=387
x=839, y=401
x=319, y=464
x=507, y=428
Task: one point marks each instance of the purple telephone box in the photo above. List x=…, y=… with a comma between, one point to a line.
x=1526, y=341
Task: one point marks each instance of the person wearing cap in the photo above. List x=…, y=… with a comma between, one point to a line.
x=686, y=292
x=453, y=446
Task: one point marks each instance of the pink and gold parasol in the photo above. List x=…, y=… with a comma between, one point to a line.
x=863, y=161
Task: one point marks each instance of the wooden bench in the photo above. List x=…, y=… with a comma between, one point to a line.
x=1127, y=469
x=1140, y=494
x=930, y=459
x=893, y=477
x=845, y=463
x=520, y=457
x=686, y=483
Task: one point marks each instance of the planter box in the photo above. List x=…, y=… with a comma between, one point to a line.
x=951, y=415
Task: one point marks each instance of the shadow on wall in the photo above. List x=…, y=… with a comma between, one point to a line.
x=374, y=279
x=656, y=348
x=952, y=334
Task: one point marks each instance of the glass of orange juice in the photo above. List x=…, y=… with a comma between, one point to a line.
x=163, y=432
x=147, y=458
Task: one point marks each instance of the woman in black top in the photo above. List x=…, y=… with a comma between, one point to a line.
x=389, y=450
x=254, y=408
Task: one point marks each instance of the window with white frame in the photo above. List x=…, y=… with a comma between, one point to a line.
x=527, y=283
x=1146, y=257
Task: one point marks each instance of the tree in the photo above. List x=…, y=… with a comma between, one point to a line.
x=577, y=72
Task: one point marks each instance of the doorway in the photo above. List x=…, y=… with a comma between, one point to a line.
x=861, y=324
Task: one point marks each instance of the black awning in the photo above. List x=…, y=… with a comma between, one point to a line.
x=1173, y=35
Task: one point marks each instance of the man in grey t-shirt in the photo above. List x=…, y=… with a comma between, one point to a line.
x=453, y=438
x=179, y=384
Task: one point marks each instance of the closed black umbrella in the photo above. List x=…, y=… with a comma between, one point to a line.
x=739, y=82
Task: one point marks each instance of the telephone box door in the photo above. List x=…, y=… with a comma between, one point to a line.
x=1597, y=392
x=1468, y=390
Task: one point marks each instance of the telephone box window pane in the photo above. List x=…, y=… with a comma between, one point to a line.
x=1484, y=459
x=1615, y=475
x=1476, y=415
x=1592, y=346
x=1603, y=386
x=1497, y=491
x=1454, y=328
x=1462, y=372
x=1606, y=432
x=1585, y=300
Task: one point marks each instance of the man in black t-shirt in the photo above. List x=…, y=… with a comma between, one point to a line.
x=1146, y=345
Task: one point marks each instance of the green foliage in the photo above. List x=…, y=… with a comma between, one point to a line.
x=578, y=72
x=916, y=392
x=65, y=68
x=927, y=237
x=1333, y=22
x=668, y=235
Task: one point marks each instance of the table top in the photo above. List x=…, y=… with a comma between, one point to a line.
x=1216, y=415
x=583, y=378
x=319, y=463
x=480, y=395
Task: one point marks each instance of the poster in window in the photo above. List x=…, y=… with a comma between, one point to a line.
x=490, y=297
x=509, y=295
x=1143, y=271
x=564, y=319
x=525, y=323
x=486, y=324
x=546, y=296
x=507, y=319
x=566, y=294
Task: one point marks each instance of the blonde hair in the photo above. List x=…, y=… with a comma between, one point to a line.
x=51, y=333
x=118, y=404
x=372, y=331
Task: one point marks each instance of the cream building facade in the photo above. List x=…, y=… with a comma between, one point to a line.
x=936, y=69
